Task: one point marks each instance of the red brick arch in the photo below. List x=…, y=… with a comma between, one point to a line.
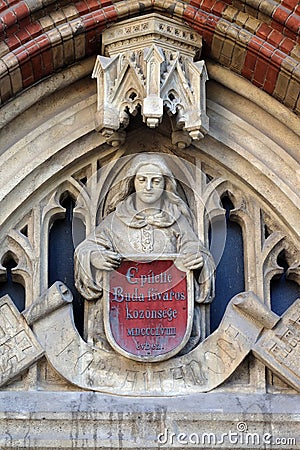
x=257, y=39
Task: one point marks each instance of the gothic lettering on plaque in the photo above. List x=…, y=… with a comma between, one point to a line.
x=149, y=309
x=153, y=310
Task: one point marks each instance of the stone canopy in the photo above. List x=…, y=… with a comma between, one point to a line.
x=143, y=71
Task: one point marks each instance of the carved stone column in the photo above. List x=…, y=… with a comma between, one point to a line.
x=148, y=66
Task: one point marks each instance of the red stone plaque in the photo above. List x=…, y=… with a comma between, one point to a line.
x=149, y=309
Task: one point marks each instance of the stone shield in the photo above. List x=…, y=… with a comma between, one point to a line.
x=148, y=308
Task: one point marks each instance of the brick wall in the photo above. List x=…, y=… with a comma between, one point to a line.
x=258, y=39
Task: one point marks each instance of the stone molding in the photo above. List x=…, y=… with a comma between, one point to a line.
x=137, y=33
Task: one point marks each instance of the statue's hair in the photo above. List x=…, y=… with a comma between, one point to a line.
x=122, y=189
x=125, y=187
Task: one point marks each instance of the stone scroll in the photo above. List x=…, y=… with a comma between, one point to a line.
x=247, y=325
x=203, y=369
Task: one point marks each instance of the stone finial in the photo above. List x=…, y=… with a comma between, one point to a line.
x=148, y=66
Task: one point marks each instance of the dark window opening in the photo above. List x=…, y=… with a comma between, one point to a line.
x=24, y=230
x=209, y=178
x=83, y=180
x=283, y=291
x=62, y=241
x=15, y=290
x=230, y=269
x=267, y=232
x=132, y=96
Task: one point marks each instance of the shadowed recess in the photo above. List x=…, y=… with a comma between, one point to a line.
x=283, y=291
x=15, y=290
x=61, y=258
x=230, y=270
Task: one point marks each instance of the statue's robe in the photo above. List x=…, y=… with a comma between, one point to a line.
x=130, y=232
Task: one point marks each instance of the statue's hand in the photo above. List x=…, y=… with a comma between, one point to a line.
x=192, y=261
x=106, y=260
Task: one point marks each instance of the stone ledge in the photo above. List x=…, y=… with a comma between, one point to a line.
x=55, y=420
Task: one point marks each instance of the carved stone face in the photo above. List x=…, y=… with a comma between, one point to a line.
x=149, y=184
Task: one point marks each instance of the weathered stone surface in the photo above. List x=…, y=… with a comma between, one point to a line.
x=279, y=348
x=49, y=420
x=201, y=370
x=19, y=348
x=52, y=299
